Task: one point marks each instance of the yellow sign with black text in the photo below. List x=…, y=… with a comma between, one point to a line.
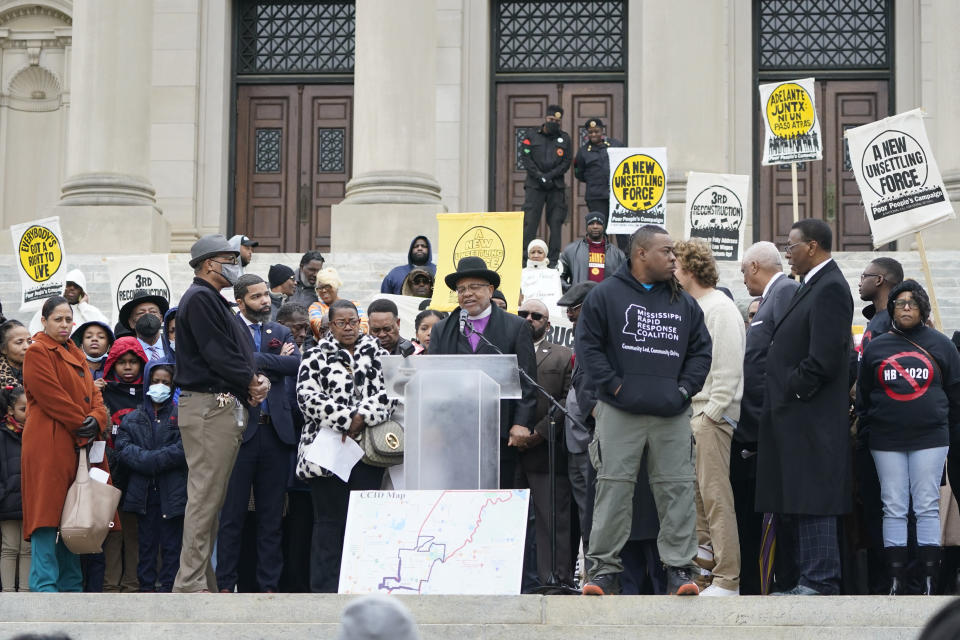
x=40, y=255
x=495, y=237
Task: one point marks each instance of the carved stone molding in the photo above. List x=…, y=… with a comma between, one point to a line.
x=33, y=88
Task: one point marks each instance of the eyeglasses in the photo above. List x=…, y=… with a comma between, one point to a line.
x=573, y=309
x=472, y=288
x=904, y=304
x=324, y=287
x=788, y=248
x=536, y=315
x=229, y=261
x=341, y=324
x=864, y=276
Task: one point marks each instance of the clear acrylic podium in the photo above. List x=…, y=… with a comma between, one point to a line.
x=451, y=417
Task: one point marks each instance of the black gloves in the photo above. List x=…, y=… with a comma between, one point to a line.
x=89, y=428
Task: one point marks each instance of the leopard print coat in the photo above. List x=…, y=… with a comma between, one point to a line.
x=333, y=386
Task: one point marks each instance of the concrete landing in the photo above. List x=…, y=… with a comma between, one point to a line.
x=256, y=616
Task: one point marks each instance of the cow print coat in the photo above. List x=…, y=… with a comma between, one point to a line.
x=333, y=386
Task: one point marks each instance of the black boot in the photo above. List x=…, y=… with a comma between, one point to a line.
x=930, y=564
x=896, y=558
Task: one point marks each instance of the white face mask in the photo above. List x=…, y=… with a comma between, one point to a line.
x=173, y=345
x=100, y=358
x=159, y=392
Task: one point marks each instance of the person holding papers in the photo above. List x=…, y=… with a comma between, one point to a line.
x=340, y=388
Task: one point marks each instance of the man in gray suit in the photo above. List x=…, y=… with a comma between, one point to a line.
x=763, y=275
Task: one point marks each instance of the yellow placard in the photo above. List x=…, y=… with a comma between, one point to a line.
x=495, y=237
x=790, y=111
x=40, y=253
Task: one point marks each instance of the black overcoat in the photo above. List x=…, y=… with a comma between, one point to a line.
x=803, y=450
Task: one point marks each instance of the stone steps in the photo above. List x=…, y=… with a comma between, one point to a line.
x=362, y=273
x=250, y=616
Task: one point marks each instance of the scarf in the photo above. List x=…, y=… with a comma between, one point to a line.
x=13, y=425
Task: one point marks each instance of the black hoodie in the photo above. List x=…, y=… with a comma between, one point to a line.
x=906, y=401
x=631, y=336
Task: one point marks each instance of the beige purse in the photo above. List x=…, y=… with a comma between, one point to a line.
x=88, y=511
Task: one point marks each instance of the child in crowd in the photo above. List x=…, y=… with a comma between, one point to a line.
x=148, y=444
x=14, y=551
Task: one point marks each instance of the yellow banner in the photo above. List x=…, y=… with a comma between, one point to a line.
x=495, y=237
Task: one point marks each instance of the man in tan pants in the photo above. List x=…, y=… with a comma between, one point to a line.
x=716, y=408
x=216, y=375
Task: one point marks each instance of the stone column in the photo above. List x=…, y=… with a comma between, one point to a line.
x=107, y=195
x=393, y=188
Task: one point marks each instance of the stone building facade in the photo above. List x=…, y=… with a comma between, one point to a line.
x=146, y=123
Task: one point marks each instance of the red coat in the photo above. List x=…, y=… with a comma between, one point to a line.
x=60, y=395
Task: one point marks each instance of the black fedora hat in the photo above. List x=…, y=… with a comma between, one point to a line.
x=472, y=267
x=139, y=297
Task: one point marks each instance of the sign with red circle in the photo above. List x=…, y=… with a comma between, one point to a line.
x=903, y=380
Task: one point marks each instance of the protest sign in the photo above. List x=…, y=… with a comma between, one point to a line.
x=790, y=122
x=899, y=181
x=150, y=273
x=638, y=188
x=495, y=237
x=41, y=261
x=407, y=306
x=716, y=211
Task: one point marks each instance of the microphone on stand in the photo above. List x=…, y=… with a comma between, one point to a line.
x=463, y=322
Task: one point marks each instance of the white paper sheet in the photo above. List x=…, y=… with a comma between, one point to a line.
x=97, y=449
x=99, y=475
x=327, y=451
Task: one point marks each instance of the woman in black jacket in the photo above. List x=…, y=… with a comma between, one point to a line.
x=14, y=550
x=909, y=392
x=148, y=443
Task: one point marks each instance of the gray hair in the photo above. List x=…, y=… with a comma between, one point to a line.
x=765, y=254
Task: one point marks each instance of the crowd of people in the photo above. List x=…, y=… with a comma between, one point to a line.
x=705, y=451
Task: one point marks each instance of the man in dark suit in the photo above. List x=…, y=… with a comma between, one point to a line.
x=554, y=369
x=803, y=449
x=475, y=284
x=263, y=462
x=763, y=276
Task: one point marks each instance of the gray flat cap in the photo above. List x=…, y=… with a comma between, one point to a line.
x=576, y=294
x=210, y=246
x=377, y=617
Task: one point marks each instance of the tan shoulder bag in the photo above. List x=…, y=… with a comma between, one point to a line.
x=88, y=511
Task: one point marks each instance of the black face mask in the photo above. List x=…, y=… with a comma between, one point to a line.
x=551, y=128
x=148, y=326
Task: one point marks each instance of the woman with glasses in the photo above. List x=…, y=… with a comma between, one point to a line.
x=328, y=287
x=339, y=387
x=909, y=399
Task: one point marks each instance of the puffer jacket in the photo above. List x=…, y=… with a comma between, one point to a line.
x=333, y=386
x=11, y=500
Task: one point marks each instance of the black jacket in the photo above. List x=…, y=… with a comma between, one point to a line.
x=11, y=500
x=593, y=167
x=771, y=311
x=905, y=401
x=214, y=353
x=803, y=448
x=643, y=343
x=149, y=444
x=554, y=369
x=512, y=335
x=546, y=159
x=575, y=259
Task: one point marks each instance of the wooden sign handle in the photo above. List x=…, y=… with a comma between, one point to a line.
x=935, y=306
x=796, y=196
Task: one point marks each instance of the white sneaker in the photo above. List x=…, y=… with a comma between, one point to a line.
x=715, y=590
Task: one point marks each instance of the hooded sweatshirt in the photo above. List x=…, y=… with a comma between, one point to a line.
x=83, y=312
x=642, y=342
x=169, y=348
x=120, y=399
x=77, y=337
x=393, y=283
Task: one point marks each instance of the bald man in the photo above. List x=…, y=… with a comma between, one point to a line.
x=554, y=369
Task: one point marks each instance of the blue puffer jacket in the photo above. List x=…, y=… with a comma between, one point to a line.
x=148, y=443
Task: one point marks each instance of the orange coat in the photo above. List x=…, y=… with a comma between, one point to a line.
x=60, y=395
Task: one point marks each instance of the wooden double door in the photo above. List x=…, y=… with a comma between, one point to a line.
x=293, y=160
x=827, y=189
x=521, y=109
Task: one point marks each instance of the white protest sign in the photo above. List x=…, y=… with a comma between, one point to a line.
x=716, y=211
x=638, y=188
x=899, y=181
x=407, y=306
x=435, y=542
x=790, y=122
x=41, y=261
x=150, y=273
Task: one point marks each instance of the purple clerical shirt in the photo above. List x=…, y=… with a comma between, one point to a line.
x=479, y=325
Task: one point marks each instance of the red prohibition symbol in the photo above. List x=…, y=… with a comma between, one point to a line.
x=915, y=378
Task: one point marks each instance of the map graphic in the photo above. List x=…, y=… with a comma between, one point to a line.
x=435, y=542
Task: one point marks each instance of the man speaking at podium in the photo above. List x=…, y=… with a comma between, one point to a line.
x=460, y=333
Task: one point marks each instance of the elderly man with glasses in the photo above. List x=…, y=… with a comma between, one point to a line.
x=460, y=333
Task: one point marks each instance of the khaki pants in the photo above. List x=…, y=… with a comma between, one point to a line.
x=14, y=552
x=616, y=452
x=716, y=515
x=211, y=438
x=121, y=551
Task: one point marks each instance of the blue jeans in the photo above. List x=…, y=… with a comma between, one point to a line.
x=906, y=474
x=53, y=567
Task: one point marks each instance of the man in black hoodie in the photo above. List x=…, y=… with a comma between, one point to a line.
x=642, y=341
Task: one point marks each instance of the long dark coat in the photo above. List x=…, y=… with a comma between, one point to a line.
x=60, y=395
x=803, y=460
